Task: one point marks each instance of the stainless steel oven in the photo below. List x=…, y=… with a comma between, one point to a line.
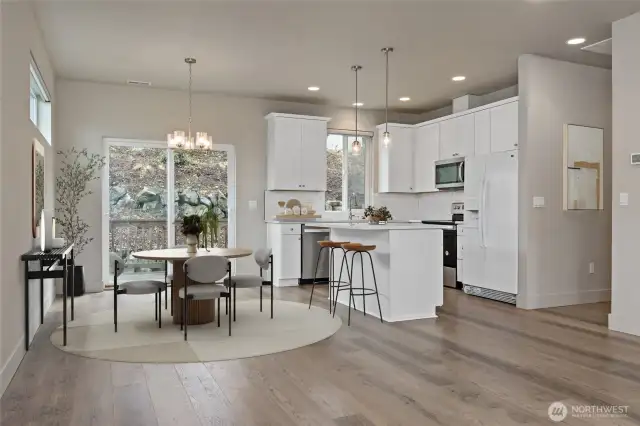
x=450, y=173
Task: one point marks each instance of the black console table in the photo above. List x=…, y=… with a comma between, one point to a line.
x=53, y=264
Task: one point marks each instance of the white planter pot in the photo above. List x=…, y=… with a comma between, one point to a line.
x=192, y=243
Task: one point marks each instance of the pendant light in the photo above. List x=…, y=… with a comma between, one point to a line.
x=356, y=146
x=386, y=137
x=180, y=140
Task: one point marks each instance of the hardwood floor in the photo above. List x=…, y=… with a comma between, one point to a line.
x=479, y=363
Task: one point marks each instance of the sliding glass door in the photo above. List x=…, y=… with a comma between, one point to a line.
x=148, y=189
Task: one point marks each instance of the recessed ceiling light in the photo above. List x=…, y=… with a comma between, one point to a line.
x=313, y=88
x=357, y=104
x=459, y=78
x=404, y=99
x=577, y=40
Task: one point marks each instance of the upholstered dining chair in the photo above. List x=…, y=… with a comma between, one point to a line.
x=201, y=274
x=264, y=259
x=134, y=287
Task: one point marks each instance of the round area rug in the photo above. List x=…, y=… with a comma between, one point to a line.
x=140, y=340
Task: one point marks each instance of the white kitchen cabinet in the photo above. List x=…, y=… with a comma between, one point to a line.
x=285, y=241
x=426, y=153
x=296, y=152
x=482, y=132
x=504, y=127
x=457, y=137
x=395, y=162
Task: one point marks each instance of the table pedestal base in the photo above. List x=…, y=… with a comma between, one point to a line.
x=200, y=311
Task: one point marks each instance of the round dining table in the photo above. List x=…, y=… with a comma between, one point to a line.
x=200, y=311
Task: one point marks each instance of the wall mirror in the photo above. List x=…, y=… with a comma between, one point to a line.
x=583, y=174
x=37, y=185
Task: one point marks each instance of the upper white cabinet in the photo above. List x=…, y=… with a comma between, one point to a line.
x=504, y=127
x=457, y=137
x=482, y=132
x=296, y=152
x=426, y=153
x=395, y=162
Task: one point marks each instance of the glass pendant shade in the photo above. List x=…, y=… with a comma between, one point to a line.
x=386, y=138
x=203, y=141
x=356, y=147
x=178, y=139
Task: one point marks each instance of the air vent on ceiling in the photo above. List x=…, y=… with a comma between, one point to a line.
x=138, y=83
x=603, y=47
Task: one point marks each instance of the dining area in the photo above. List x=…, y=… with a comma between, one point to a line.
x=202, y=311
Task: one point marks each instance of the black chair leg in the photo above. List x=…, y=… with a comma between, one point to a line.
x=186, y=317
x=271, y=299
x=166, y=298
x=115, y=309
x=315, y=276
x=260, y=297
x=234, y=302
x=229, y=303
x=160, y=309
x=218, y=312
x=155, y=296
x=171, y=297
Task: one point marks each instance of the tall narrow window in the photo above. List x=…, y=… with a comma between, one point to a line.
x=39, y=102
x=347, y=180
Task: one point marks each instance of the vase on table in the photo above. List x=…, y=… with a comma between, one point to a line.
x=192, y=243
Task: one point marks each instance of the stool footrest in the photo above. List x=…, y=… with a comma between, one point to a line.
x=365, y=292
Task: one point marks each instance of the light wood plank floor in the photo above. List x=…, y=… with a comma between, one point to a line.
x=479, y=363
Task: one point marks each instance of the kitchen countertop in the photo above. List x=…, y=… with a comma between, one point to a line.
x=399, y=226
x=313, y=221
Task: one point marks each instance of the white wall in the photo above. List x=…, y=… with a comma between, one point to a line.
x=19, y=35
x=625, y=315
x=556, y=246
x=88, y=112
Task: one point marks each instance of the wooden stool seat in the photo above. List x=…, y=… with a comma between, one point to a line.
x=332, y=244
x=358, y=247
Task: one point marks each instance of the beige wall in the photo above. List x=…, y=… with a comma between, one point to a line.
x=87, y=112
x=556, y=246
x=625, y=314
x=19, y=35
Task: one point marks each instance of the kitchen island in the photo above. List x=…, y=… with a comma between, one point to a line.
x=408, y=268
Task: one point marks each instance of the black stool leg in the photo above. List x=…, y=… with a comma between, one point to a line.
x=331, y=278
x=376, y=286
x=345, y=262
x=315, y=276
x=364, y=305
x=351, y=290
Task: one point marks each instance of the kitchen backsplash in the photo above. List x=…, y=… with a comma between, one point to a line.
x=437, y=205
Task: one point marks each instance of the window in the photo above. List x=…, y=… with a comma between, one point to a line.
x=39, y=102
x=346, y=173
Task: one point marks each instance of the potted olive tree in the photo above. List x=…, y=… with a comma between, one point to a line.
x=77, y=169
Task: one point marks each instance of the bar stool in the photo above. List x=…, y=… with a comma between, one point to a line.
x=356, y=248
x=333, y=284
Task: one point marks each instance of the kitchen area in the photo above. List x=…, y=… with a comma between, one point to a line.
x=457, y=173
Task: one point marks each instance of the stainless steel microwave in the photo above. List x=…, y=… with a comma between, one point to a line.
x=450, y=173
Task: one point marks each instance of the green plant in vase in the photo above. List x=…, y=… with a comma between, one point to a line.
x=191, y=228
x=377, y=215
x=210, y=220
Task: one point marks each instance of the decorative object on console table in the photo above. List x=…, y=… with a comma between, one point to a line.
x=191, y=229
x=377, y=216
x=78, y=169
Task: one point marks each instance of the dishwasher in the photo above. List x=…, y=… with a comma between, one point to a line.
x=309, y=250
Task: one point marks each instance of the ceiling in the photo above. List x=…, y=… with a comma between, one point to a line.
x=276, y=49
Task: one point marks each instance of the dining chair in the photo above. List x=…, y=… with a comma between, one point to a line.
x=264, y=259
x=201, y=274
x=139, y=287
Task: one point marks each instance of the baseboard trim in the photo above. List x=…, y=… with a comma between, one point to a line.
x=539, y=301
x=625, y=324
x=286, y=282
x=11, y=366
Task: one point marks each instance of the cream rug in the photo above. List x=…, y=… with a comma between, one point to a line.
x=140, y=340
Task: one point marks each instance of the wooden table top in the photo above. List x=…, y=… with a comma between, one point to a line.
x=181, y=253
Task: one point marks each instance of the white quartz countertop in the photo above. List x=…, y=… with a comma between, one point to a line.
x=317, y=221
x=388, y=227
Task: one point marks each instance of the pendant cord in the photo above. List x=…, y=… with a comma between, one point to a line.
x=356, y=70
x=190, y=81
x=386, y=96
